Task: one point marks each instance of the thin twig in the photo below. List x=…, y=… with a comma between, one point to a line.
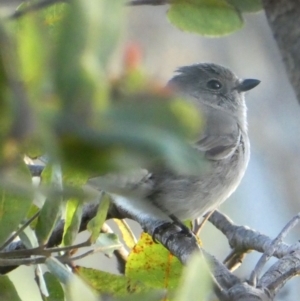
x=270, y=251
x=199, y=227
x=22, y=261
x=16, y=234
x=39, y=251
x=41, y=259
x=85, y=254
x=90, y=252
x=234, y=259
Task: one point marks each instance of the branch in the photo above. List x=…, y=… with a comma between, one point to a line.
x=283, y=270
x=227, y=286
x=268, y=253
x=283, y=18
x=242, y=238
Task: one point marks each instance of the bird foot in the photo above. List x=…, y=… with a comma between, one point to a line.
x=184, y=230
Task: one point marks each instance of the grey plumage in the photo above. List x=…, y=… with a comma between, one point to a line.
x=218, y=94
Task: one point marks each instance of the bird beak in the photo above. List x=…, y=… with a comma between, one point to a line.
x=247, y=84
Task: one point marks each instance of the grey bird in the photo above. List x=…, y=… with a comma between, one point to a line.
x=159, y=197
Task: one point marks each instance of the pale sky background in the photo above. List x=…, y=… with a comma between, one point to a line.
x=269, y=194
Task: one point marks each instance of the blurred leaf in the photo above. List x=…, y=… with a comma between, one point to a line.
x=81, y=151
x=206, y=17
x=32, y=211
x=14, y=203
x=153, y=264
x=82, y=53
x=196, y=281
x=33, y=49
x=109, y=242
x=63, y=274
x=39, y=278
x=51, y=210
x=8, y=291
x=95, y=224
x=247, y=6
x=6, y=112
x=32, y=53
x=14, y=113
x=76, y=289
x=56, y=292
x=29, y=238
x=126, y=232
x=35, y=146
x=124, y=139
x=72, y=221
x=176, y=116
x=75, y=179
x=53, y=15
x=113, y=284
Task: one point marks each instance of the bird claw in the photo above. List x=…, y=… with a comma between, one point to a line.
x=184, y=230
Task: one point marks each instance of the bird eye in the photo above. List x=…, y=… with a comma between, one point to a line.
x=214, y=84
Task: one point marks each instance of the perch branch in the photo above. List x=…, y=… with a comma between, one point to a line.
x=242, y=238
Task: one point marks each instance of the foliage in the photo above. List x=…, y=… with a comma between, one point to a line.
x=57, y=101
x=211, y=17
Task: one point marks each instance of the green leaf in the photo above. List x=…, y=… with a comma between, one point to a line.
x=14, y=203
x=29, y=238
x=95, y=224
x=7, y=290
x=108, y=242
x=153, y=264
x=6, y=112
x=32, y=211
x=206, y=17
x=72, y=221
x=9, y=105
x=113, y=284
x=75, y=179
x=196, y=281
x=56, y=292
x=247, y=6
x=53, y=15
x=32, y=52
x=51, y=209
x=76, y=289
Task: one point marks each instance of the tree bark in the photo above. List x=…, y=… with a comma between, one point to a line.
x=284, y=19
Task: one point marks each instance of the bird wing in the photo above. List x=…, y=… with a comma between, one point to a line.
x=221, y=135
x=136, y=183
